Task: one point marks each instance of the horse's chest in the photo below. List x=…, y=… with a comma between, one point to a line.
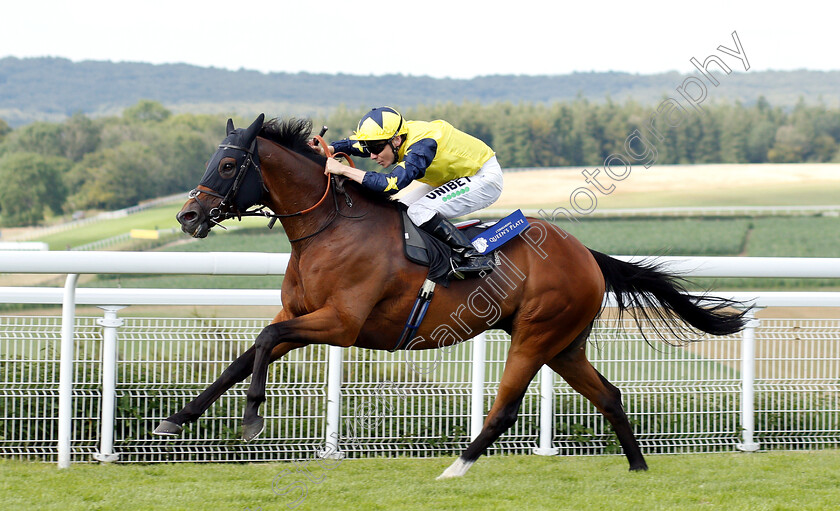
x=295, y=302
x=294, y=293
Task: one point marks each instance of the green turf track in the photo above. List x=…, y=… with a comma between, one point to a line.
x=736, y=481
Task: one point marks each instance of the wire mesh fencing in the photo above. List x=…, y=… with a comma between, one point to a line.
x=678, y=399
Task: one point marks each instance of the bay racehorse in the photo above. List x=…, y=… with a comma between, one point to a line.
x=349, y=284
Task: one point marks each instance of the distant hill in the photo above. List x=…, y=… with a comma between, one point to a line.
x=54, y=88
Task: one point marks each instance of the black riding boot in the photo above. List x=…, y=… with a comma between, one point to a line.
x=467, y=259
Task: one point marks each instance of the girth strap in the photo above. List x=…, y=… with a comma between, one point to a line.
x=417, y=314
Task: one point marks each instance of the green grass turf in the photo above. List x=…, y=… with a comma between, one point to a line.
x=791, y=194
x=683, y=236
x=751, y=194
x=736, y=481
x=768, y=236
x=160, y=217
x=754, y=237
x=257, y=239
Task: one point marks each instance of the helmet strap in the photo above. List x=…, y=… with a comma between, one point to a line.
x=395, y=149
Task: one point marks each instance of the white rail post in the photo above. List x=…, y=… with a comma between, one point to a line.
x=109, y=324
x=546, y=413
x=748, y=386
x=65, y=379
x=479, y=356
x=334, y=377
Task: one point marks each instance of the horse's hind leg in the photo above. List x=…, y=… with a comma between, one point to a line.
x=576, y=369
x=237, y=371
x=520, y=368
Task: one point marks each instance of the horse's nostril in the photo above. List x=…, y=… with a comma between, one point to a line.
x=188, y=216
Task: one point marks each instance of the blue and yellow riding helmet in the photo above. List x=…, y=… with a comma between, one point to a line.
x=379, y=125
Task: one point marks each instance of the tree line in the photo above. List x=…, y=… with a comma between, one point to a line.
x=51, y=169
x=52, y=89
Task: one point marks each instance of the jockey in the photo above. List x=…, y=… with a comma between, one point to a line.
x=458, y=174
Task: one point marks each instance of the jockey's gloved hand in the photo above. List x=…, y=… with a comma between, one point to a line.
x=317, y=147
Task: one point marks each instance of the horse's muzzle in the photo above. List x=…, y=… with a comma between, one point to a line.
x=193, y=220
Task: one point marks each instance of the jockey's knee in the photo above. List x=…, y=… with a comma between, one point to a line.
x=420, y=213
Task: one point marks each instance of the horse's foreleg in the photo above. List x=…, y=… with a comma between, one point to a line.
x=520, y=369
x=578, y=372
x=237, y=371
x=320, y=327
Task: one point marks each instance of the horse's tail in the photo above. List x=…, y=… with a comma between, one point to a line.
x=652, y=293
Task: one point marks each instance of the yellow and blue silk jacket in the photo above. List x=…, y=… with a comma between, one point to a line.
x=433, y=153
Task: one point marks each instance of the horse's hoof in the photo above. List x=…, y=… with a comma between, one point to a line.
x=168, y=428
x=457, y=469
x=251, y=430
x=639, y=468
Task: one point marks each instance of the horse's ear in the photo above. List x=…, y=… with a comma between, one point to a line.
x=230, y=126
x=254, y=128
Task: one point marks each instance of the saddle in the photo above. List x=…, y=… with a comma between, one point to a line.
x=424, y=249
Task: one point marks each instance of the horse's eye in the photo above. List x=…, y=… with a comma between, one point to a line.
x=227, y=167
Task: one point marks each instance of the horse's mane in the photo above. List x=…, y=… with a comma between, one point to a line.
x=290, y=133
x=295, y=134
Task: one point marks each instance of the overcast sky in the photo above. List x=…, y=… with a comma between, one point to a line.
x=427, y=37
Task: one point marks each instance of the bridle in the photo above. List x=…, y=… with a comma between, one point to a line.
x=226, y=209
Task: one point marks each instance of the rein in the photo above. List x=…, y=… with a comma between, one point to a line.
x=326, y=192
x=330, y=179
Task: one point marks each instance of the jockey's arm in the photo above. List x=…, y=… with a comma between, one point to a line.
x=389, y=183
x=336, y=167
x=404, y=172
x=351, y=147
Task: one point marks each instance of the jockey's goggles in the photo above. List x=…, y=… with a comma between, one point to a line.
x=374, y=146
